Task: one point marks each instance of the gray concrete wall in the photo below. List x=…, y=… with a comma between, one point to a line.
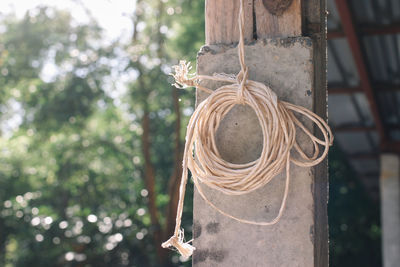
x=390, y=209
x=285, y=65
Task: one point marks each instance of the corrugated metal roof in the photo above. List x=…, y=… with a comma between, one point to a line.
x=378, y=25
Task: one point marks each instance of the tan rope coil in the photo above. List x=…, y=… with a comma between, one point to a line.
x=278, y=125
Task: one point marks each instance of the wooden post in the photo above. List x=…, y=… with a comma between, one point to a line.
x=287, y=51
x=390, y=209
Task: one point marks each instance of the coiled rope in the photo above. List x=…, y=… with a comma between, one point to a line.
x=278, y=125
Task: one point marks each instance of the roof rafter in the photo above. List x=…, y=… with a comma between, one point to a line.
x=380, y=87
x=369, y=29
x=356, y=49
x=354, y=128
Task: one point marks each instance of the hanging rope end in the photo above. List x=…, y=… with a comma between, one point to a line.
x=184, y=248
x=182, y=76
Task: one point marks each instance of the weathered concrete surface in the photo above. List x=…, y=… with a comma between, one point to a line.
x=390, y=209
x=286, y=66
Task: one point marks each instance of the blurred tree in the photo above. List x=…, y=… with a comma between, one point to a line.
x=86, y=176
x=354, y=226
x=151, y=54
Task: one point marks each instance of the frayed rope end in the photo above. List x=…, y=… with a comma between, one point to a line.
x=184, y=248
x=182, y=76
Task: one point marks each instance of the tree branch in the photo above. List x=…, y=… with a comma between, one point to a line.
x=149, y=178
x=175, y=179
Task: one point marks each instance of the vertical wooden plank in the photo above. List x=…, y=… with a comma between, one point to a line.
x=222, y=21
x=314, y=16
x=274, y=20
x=390, y=208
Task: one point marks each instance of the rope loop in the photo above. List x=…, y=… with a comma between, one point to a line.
x=279, y=126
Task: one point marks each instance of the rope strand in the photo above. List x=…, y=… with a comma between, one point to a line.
x=278, y=124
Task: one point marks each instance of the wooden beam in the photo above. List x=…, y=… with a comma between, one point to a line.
x=356, y=49
x=391, y=147
x=222, y=24
x=314, y=14
x=387, y=87
x=334, y=90
x=360, y=128
x=389, y=182
x=361, y=156
x=379, y=87
x=353, y=128
x=281, y=22
x=371, y=29
x=335, y=34
x=393, y=28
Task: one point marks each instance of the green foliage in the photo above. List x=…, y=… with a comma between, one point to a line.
x=72, y=190
x=354, y=226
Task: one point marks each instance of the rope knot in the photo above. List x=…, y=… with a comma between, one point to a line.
x=241, y=79
x=177, y=241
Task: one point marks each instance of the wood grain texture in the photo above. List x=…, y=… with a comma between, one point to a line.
x=268, y=25
x=222, y=21
x=277, y=7
x=314, y=26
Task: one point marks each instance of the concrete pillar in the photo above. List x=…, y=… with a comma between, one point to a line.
x=390, y=209
x=285, y=65
x=295, y=68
